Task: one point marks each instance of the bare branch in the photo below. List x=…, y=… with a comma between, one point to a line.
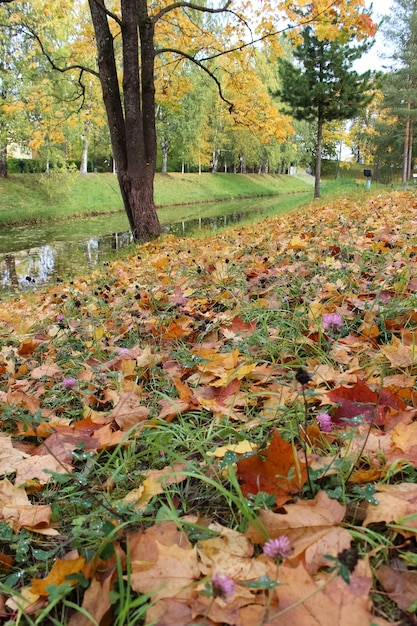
x=201, y=66
x=195, y=7
x=106, y=11
x=52, y=63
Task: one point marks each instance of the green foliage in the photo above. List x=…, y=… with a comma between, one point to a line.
x=324, y=87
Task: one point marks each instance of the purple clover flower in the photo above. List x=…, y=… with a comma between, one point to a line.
x=68, y=383
x=324, y=420
x=331, y=321
x=222, y=586
x=279, y=548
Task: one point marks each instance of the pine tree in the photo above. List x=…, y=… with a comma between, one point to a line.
x=400, y=85
x=322, y=86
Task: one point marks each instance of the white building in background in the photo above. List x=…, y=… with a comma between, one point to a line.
x=18, y=151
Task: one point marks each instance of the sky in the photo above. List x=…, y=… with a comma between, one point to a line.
x=373, y=60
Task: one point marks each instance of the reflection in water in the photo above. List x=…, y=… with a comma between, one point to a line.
x=27, y=269
x=46, y=264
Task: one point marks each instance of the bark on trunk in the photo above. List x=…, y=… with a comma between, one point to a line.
x=215, y=161
x=3, y=162
x=164, y=148
x=410, y=149
x=319, y=145
x=406, y=152
x=131, y=125
x=84, y=154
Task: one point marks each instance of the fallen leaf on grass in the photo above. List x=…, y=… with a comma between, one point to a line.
x=326, y=602
x=40, y=468
x=172, y=407
x=17, y=510
x=242, y=447
x=47, y=369
x=231, y=554
x=278, y=471
x=58, y=574
x=242, y=609
x=312, y=526
x=400, y=585
x=398, y=354
x=10, y=457
x=172, y=574
x=128, y=411
x=396, y=503
x=154, y=484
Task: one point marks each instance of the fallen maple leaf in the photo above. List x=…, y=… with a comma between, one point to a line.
x=400, y=585
x=172, y=574
x=396, y=503
x=10, y=457
x=326, y=601
x=312, y=526
x=278, y=471
x=154, y=484
x=40, y=468
x=398, y=354
x=58, y=574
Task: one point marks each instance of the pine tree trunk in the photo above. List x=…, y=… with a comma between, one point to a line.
x=406, y=148
x=410, y=149
x=319, y=145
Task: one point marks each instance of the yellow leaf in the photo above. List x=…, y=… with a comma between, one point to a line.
x=238, y=448
x=58, y=574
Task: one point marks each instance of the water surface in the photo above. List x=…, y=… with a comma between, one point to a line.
x=31, y=256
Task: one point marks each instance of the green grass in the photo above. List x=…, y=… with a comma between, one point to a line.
x=82, y=325
x=31, y=198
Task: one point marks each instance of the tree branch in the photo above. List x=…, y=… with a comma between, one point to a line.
x=195, y=7
x=106, y=11
x=52, y=63
x=201, y=66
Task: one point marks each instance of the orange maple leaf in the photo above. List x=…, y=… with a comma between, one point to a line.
x=278, y=471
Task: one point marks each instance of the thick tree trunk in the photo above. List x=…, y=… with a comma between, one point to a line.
x=319, y=145
x=131, y=125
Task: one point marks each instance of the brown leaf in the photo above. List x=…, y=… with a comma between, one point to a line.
x=171, y=575
x=400, y=585
x=312, y=526
x=231, y=554
x=128, y=411
x=10, y=457
x=335, y=603
x=398, y=354
x=48, y=369
x=35, y=466
x=396, y=503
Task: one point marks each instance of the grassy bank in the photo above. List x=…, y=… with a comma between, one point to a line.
x=31, y=198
